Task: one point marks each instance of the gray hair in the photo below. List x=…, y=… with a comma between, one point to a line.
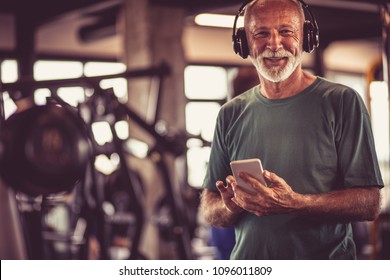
x=296, y=2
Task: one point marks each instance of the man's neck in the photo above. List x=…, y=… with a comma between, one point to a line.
x=297, y=82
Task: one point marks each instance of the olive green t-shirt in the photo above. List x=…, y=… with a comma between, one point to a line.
x=319, y=140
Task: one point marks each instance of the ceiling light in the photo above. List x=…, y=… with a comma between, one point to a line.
x=217, y=20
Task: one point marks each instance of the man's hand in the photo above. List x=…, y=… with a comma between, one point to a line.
x=218, y=207
x=277, y=198
x=227, y=194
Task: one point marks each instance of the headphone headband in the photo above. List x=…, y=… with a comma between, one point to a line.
x=240, y=10
x=310, y=32
x=312, y=18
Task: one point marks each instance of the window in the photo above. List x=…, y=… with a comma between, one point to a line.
x=380, y=113
x=8, y=74
x=205, y=82
x=108, y=68
x=206, y=88
x=55, y=70
x=9, y=71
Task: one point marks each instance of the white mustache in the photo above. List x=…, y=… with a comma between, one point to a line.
x=277, y=54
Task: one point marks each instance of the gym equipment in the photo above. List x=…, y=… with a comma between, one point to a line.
x=57, y=141
x=45, y=150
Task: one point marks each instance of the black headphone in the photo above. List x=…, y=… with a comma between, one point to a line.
x=310, y=33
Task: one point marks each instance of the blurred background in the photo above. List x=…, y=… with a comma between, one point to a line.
x=108, y=110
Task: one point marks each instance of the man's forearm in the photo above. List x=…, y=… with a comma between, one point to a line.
x=353, y=204
x=215, y=211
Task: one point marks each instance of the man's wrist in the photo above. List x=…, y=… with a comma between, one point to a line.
x=235, y=211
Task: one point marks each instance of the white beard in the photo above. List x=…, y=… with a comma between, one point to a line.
x=276, y=74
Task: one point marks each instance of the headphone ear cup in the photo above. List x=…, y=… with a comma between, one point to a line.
x=242, y=43
x=308, y=37
x=236, y=44
x=316, y=37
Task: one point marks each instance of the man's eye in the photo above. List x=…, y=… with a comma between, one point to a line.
x=285, y=32
x=261, y=34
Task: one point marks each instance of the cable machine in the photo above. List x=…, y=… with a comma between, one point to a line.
x=49, y=150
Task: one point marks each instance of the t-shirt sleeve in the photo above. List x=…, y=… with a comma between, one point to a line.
x=358, y=163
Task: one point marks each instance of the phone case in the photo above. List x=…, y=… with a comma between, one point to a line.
x=252, y=166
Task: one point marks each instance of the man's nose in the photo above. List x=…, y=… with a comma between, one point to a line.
x=274, y=40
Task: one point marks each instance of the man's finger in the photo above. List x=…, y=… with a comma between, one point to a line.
x=248, y=178
x=273, y=178
x=220, y=186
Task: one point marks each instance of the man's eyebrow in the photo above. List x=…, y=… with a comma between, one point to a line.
x=284, y=25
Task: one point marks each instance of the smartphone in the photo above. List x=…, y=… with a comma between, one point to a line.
x=252, y=166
